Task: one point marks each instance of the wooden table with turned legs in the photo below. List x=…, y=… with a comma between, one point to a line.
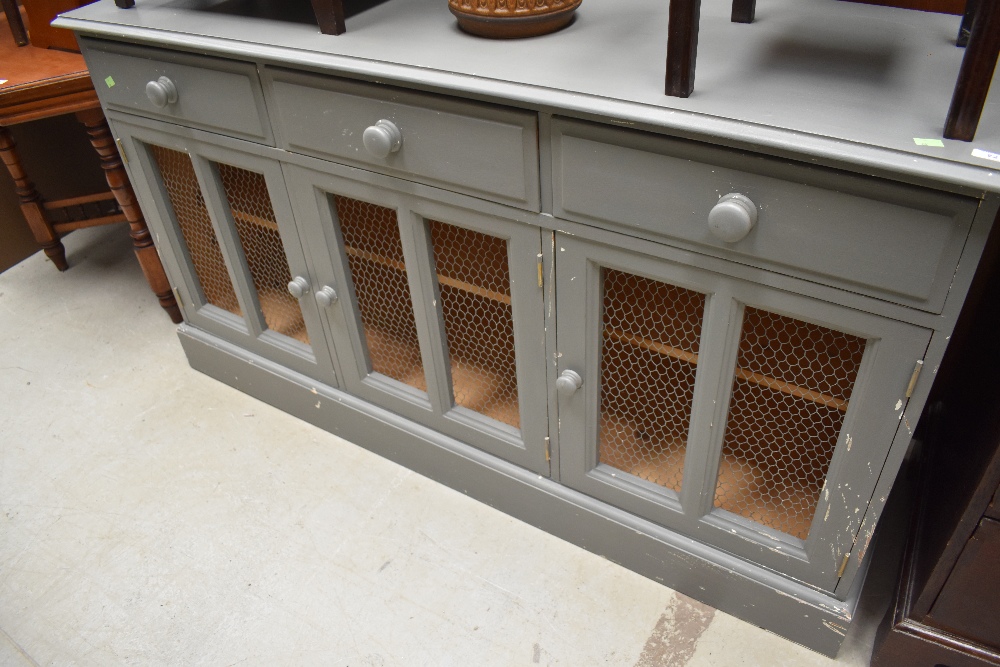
x=45, y=83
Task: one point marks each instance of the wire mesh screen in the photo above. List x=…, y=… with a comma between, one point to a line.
x=649, y=355
x=257, y=229
x=378, y=271
x=791, y=390
x=191, y=214
x=474, y=284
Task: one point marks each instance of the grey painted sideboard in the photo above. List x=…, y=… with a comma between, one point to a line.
x=695, y=344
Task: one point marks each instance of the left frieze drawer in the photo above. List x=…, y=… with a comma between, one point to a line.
x=197, y=91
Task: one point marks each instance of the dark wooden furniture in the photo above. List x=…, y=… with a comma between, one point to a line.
x=329, y=14
x=41, y=13
x=947, y=608
x=46, y=83
x=14, y=21
x=982, y=22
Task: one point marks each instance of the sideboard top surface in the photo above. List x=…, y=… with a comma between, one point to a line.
x=836, y=82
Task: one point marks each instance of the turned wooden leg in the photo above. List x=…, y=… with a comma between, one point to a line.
x=31, y=203
x=682, y=46
x=976, y=73
x=743, y=11
x=330, y=16
x=114, y=172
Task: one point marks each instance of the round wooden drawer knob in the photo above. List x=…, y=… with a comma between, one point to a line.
x=326, y=297
x=382, y=139
x=298, y=287
x=161, y=92
x=568, y=383
x=732, y=218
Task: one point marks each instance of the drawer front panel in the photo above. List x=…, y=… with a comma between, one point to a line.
x=466, y=147
x=212, y=94
x=884, y=239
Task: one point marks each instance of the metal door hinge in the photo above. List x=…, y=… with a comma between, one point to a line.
x=548, y=450
x=913, y=378
x=843, y=565
x=540, y=273
x=121, y=150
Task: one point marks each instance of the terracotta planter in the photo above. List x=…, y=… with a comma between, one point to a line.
x=505, y=19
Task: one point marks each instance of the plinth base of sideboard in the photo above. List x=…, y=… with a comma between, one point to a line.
x=732, y=585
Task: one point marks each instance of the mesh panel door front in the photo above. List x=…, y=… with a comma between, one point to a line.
x=791, y=390
x=257, y=229
x=196, y=231
x=649, y=354
x=378, y=272
x=474, y=285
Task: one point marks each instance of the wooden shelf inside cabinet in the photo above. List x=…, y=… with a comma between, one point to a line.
x=443, y=279
x=741, y=373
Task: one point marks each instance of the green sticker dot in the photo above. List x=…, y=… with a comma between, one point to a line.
x=110, y=82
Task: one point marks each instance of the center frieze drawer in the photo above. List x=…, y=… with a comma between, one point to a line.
x=199, y=91
x=871, y=236
x=484, y=150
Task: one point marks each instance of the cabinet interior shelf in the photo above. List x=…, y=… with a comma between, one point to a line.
x=443, y=279
x=743, y=374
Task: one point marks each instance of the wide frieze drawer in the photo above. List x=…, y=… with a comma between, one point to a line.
x=871, y=236
x=208, y=93
x=482, y=150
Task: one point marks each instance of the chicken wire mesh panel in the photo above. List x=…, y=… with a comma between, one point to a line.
x=791, y=390
x=649, y=356
x=474, y=285
x=378, y=271
x=257, y=229
x=191, y=214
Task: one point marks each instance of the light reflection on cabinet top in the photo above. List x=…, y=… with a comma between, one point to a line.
x=820, y=80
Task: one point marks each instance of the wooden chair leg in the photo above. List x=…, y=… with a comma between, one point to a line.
x=682, y=46
x=744, y=10
x=31, y=203
x=965, y=29
x=14, y=21
x=976, y=73
x=330, y=16
x=114, y=172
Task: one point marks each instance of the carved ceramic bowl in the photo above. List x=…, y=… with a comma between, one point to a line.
x=505, y=19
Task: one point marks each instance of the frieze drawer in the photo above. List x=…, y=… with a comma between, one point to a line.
x=483, y=150
x=207, y=93
x=885, y=239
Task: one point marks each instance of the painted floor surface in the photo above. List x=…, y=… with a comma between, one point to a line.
x=150, y=515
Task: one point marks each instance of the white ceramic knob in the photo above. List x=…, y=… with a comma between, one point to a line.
x=568, y=382
x=732, y=218
x=298, y=287
x=382, y=139
x=161, y=92
x=326, y=297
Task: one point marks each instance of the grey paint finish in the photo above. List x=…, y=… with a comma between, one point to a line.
x=249, y=330
x=867, y=433
x=730, y=584
x=214, y=94
x=483, y=150
x=841, y=83
x=880, y=238
x=311, y=193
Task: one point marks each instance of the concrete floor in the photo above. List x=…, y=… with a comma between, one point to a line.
x=153, y=516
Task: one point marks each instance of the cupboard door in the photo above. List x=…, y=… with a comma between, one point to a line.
x=753, y=419
x=225, y=216
x=439, y=306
